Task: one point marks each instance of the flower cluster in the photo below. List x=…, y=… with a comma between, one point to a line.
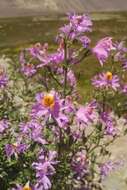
x=80, y=164
x=15, y=149
x=109, y=124
x=44, y=168
x=78, y=24
x=60, y=141
x=103, y=48
x=106, y=80
x=32, y=130
x=46, y=104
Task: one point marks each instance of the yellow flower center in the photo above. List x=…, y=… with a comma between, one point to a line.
x=29, y=65
x=26, y=187
x=14, y=145
x=48, y=100
x=109, y=75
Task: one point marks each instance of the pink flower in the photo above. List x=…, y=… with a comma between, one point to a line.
x=103, y=49
x=121, y=51
x=110, y=166
x=109, y=124
x=106, y=168
x=62, y=121
x=71, y=78
x=78, y=24
x=124, y=89
x=54, y=58
x=44, y=57
x=38, y=49
x=80, y=164
x=106, y=80
x=28, y=69
x=47, y=104
x=33, y=130
x=121, y=54
x=85, y=41
x=45, y=169
x=87, y=114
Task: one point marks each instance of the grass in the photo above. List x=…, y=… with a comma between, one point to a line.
x=16, y=33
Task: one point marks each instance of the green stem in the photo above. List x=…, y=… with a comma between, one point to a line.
x=53, y=77
x=65, y=68
x=85, y=54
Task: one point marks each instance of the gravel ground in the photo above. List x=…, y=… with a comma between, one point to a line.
x=117, y=180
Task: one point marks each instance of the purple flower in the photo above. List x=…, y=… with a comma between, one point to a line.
x=28, y=69
x=66, y=29
x=58, y=56
x=3, y=79
x=85, y=41
x=67, y=106
x=33, y=130
x=44, y=184
x=106, y=80
x=124, y=64
x=62, y=121
x=15, y=149
x=109, y=124
x=121, y=54
x=110, y=166
x=103, y=48
x=80, y=164
x=4, y=124
x=120, y=47
x=124, y=89
x=106, y=168
x=71, y=78
x=67, y=110
x=47, y=104
x=54, y=58
x=41, y=54
x=78, y=24
x=87, y=114
x=38, y=50
x=44, y=168
x=121, y=51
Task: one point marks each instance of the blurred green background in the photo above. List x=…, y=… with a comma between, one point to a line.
x=17, y=33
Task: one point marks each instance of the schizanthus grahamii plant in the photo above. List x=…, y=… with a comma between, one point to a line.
x=48, y=139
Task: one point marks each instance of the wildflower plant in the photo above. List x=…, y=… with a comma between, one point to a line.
x=53, y=141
